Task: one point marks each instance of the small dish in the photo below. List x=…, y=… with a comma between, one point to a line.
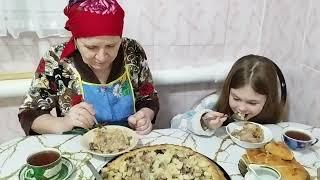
x=88, y=137
x=239, y=125
x=66, y=170
x=263, y=173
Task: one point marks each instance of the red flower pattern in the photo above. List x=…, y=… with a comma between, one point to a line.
x=146, y=89
x=53, y=86
x=76, y=99
x=99, y=6
x=41, y=66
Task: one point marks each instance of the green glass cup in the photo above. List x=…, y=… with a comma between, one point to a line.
x=45, y=164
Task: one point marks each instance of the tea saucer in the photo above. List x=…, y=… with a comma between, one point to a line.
x=66, y=171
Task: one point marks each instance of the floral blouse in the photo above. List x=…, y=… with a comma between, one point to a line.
x=56, y=84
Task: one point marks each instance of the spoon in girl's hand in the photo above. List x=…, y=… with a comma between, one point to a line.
x=214, y=117
x=238, y=117
x=233, y=117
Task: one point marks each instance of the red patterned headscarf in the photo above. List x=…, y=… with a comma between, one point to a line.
x=89, y=18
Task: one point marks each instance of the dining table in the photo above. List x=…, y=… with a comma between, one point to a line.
x=219, y=147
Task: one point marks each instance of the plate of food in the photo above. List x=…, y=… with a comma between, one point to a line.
x=164, y=161
x=109, y=141
x=249, y=134
x=275, y=155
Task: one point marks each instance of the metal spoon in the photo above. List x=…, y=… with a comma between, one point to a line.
x=233, y=117
x=93, y=170
x=237, y=117
x=95, y=120
x=98, y=125
x=253, y=171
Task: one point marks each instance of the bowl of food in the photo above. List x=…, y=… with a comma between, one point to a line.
x=262, y=172
x=249, y=134
x=109, y=141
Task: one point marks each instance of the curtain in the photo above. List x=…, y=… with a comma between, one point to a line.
x=45, y=17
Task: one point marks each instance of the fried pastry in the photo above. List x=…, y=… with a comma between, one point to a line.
x=279, y=149
x=289, y=169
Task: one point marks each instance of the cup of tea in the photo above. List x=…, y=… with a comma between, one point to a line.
x=44, y=164
x=298, y=139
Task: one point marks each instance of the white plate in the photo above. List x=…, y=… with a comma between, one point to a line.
x=89, y=136
x=238, y=125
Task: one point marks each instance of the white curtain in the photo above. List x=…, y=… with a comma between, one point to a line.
x=45, y=17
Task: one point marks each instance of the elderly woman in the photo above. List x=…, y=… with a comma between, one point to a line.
x=98, y=76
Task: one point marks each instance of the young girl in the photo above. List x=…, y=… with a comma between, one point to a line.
x=250, y=89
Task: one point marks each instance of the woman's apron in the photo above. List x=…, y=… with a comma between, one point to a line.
x=113, y=102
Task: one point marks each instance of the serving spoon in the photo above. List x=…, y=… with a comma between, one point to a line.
x=93, y=170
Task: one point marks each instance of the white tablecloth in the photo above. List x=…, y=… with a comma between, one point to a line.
x=219, y=147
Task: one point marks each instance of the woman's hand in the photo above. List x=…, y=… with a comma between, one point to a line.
x=213, y=120
x=141, y=121
x=80, y=115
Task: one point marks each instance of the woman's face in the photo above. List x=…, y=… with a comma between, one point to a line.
x=246, y=101
x=99, y=52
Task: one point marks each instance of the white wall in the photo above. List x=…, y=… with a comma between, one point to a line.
x=177, y=33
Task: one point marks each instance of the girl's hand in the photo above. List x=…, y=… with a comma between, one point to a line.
x=80, y=115
x=213, y=120
x=141, y=121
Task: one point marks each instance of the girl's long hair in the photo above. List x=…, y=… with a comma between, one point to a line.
x=261, y=74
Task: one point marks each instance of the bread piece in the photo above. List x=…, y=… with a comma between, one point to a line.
x=162, y=162
x=279, y=149
x=289, y=169
x=257, y=156
x=292, y=172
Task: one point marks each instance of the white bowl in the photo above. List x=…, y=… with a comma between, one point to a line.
x=90, y=135
x=264, y=173
x=248, y=145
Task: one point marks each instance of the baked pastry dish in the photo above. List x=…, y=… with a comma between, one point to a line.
x=278, y=156
x=250, y=132
x=162, y=162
